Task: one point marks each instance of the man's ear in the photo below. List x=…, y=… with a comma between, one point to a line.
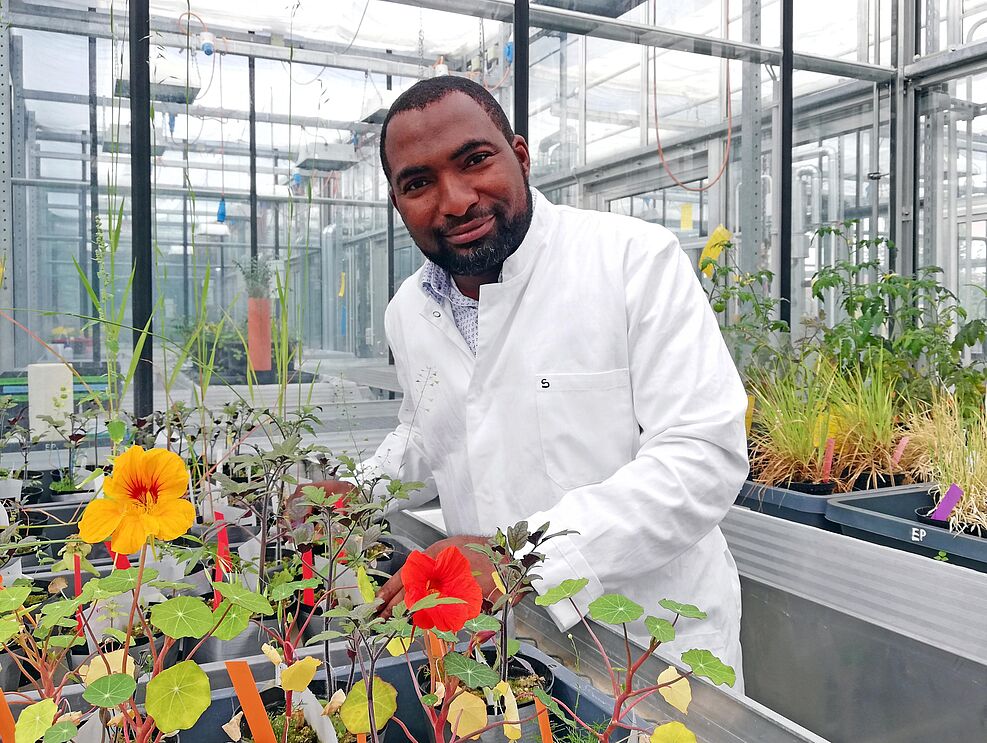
x=520, y=147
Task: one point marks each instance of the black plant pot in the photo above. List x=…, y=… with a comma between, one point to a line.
x=869, y=481
x=812, y=488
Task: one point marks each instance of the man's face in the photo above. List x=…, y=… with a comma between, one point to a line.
x=459, y=185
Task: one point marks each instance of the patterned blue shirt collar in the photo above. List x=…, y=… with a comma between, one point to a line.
x=439, y=286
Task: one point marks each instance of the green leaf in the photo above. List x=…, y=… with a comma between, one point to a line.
x=355, y=712
x=178, y=696
x=686, y=610
x=34, y=721
x=170, y=585
x=482, y=623
x=286, y=590
x=660, y=629
x=116, y=430
x=704, y=663
x=513, y=647
x=327, y=636
x=430, y=700
x=182, y=616
x=235, y=621
x=109, y=691
x=565, y=590
x=433, y=600
x=242, y=597
x=116, y=583
x=613, y=608
x=9, y=626
x=472, y=673
x=552, y=706
x=445, y=635
x=66, y=641
x=61, y=732
x=61, y=609
x=13, y=598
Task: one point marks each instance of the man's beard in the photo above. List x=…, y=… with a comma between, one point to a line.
x=490, y=251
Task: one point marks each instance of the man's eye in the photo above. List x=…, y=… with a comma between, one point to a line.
x=415, y=184
x=479, y=157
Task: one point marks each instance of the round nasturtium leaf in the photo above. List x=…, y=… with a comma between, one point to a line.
x=34, y=721
x=473, y=674
x=117, y=661
x=565, y=590
x=109, y=691
x=467, y=715
x=704, y=663
x=178, y=696
x=660, y=629
x=673, y=732
x=613, y=608
x=61, y=732
x=182, y=616
x=482, y=623
x=355, y=712
x=13, y=598
x=232, y=619
x=686, y=610
x=299, y=674
x=9, y=626
x=240, y=596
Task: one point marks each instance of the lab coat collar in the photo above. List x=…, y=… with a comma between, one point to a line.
x=540, y=229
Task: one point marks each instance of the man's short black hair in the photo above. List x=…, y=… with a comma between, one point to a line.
x=426, y=92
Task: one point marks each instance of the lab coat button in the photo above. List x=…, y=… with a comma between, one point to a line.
x=436, y=313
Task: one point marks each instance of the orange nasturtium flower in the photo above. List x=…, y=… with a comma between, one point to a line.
x=449, y=576
x=144, y=499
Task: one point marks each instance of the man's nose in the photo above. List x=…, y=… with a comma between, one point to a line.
x=458, y=195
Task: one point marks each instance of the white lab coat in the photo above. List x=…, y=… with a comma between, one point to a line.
x=601, y=399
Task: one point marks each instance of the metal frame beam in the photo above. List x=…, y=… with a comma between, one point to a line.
x=6, y=204
x=558, y=19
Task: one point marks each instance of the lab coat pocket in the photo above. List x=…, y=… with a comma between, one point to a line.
x=586, y=422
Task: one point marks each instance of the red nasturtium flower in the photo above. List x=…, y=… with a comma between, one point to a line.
x=449, y=576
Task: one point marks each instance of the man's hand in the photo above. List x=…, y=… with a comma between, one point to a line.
x=392, y=592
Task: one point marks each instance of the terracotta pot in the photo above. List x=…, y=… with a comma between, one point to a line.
x=259, y=333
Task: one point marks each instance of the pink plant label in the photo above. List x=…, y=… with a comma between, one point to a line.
x=899, y=450
x=828, y=459
x=948, y=503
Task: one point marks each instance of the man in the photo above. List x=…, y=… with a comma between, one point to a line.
x=558, y=365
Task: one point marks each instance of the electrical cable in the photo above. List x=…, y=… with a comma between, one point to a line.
x=358, y=27
x=661, y=151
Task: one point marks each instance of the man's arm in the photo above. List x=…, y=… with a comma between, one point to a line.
x=690, y=405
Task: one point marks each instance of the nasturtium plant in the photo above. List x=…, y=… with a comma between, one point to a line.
x=109, y=691
x=9, y=626
x=686, y=610
x=287, y=590
x=704, y=663
x=355, y=712
x=178, y=696
x=472, y=673
x=182, y=616
x=612, y=608
x=678, y=692
x=467, y=715
x=565, y=590
x=482, y=623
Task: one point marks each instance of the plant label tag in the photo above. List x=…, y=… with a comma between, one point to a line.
x=918, y=535
x=948, y=503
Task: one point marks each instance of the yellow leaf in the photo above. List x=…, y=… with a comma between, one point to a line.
x=365, y=585
x=672, y=732
x=272, y=655
x=677, y=694
x=512, y=718
x=749, y=418
x=714, y=246
x=299, y=675
x=398, y=646
x=467, y=715
x=338, y=697
x=97, y=667
x=498, y=582
x=355, y=712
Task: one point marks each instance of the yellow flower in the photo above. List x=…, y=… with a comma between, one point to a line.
x=144, y=499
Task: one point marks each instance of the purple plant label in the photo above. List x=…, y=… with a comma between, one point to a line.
x=948, y=503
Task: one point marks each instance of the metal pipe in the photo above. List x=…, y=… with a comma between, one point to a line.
x=94, y=194
x=185, y=286
x=140, y=203
x=787, y=51
x=521, y=67
x=252, y=84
